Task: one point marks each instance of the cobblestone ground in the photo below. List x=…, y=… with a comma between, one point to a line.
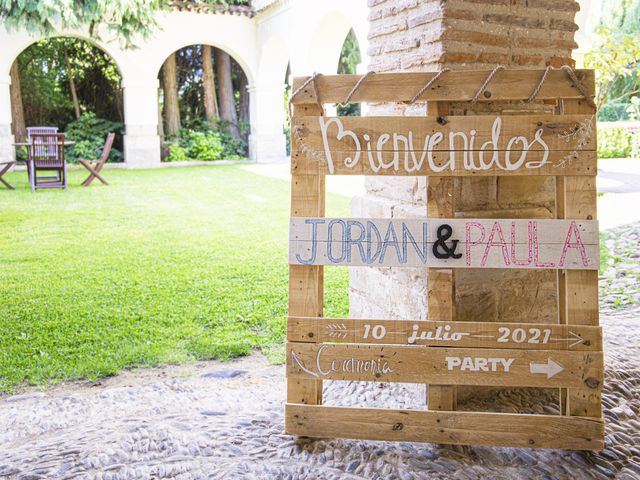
x=225, y=420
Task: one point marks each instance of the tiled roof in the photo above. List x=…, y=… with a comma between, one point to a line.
x=205, y=7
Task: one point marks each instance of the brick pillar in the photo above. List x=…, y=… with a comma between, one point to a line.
x=422, y=35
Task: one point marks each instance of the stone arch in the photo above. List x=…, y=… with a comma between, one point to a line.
x=241, y=64
x=249, y=72
x=14, y=44
x=19, y=42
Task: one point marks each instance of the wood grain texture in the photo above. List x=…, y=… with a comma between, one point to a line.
x=306, y=282
x=438, y=365
x=512, y=84
x=441, y=291
x=578, y=292
x=556, y=131
x=510, y=335
x=446, y=146
x=458, y=428
x=481, y=243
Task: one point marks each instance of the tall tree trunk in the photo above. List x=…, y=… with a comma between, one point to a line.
x=17, y=110
x=225, y=91
x=72, y=82
x=209, y=86
x=244, y=102
x=169, y=84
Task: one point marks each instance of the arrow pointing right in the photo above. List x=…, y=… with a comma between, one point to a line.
x=550, y=369
x=575, y=339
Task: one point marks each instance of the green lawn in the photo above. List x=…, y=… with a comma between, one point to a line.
x=163, y=266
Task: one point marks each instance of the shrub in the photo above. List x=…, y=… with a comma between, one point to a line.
x=201, y=141
x=89, y=133
x=176, y=152
x=614, y=142
x=206, y=145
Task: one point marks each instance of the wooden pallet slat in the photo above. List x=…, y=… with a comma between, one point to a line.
x=512, y=84
x=578, y=292
x=446, y=365
x=458, y=428
x=480, y=243
x=481, y=145
x=444, y=351
x=525, y=336
x=306, y=282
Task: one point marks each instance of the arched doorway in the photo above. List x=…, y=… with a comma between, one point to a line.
x=73, y=85
x=204, y=105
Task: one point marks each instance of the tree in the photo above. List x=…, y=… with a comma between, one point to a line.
x=126, y=19
x=169, y=85
x=72, y=83
x=347, y=64
x=47, y=95
x=225, y=92
x=616, y=57
x=209, y=86
x=615, y=60
x=17, y=111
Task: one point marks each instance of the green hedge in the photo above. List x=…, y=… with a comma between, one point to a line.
x=614, y=142
x=90, y=133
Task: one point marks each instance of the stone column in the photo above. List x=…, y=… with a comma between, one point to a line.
x=267, y=142
x=413, y=35
x=141, y=139
x=7, y=151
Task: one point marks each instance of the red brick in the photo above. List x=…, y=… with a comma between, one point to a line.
x=459, y=14
x=560, y=61
x=508, y=19
x=458, y=57
x=555, y=5
x=566, y=25
x=493, y=58
x=490, y=2
x=548, y=42
x=476, y=37
x=528, y=59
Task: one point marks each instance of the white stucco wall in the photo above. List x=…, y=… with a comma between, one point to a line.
x=307, y=33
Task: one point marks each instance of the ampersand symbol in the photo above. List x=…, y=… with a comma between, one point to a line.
x=444, y=233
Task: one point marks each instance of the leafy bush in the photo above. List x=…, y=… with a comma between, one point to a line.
x=176, y=152
x=206, y=145
x=89, y=133
x=614, y=142
x=613, y=112
x=200, y=141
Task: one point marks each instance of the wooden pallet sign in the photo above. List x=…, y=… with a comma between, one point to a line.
x=444, y=351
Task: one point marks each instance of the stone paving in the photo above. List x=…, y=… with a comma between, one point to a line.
x=225, y=420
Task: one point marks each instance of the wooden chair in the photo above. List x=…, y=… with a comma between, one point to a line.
x=4, y=168
x=95, y=166
x=38, y=131
x=45, y=153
